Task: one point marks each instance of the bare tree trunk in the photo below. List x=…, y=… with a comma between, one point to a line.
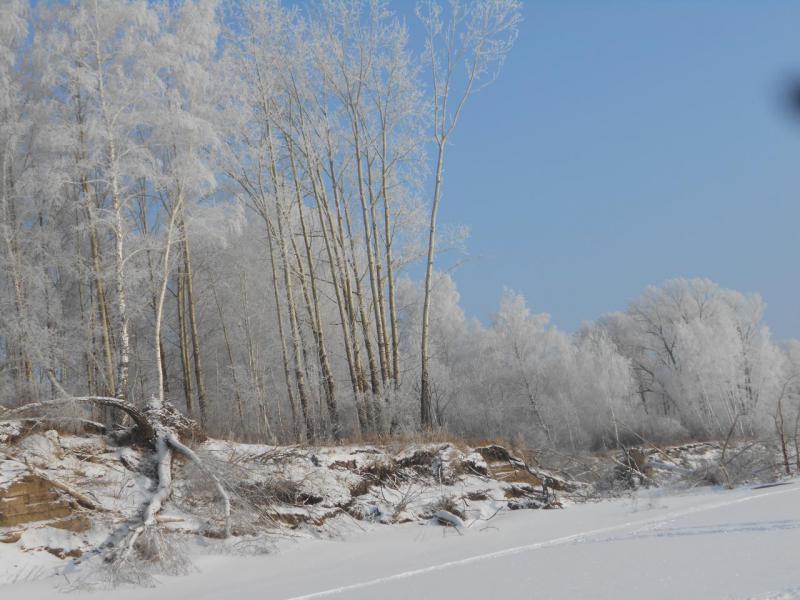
x=95, y=251
x=426, y=416
x=143, y=224
x=191, y=301
x=255, y=377
x=119, y=244
x=329, y=384
x=281, y=334
x=375, y=381
x=301, y=278
x=231, y=364
x=779, y=426
x=299, y=369
x=797, y=441
x=340, y=250
x=87, y=318
x=334, y=260
x=298, y=362
x=377, y=387
x=387, y=231
x=100, y=290
x=28, y=393
x=119, y=261
x=158, y=402
x=183, y=342
x=378, y=301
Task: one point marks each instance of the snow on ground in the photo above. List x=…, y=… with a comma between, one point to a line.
x=702, y=544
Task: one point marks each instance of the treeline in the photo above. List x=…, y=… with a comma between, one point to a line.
x=211, y=201
x=685, y=361
x=217, y=203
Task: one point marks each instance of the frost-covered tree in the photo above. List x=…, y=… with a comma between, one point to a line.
x=474, y=37
x=700, y=353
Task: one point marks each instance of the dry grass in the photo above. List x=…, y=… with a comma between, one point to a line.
x=434, y=436
x=381, y=471
x=449, y=504
x=361, y=488
x=512, y=474
x=477, y=496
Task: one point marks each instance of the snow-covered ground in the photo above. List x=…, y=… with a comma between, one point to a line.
x=701, y=544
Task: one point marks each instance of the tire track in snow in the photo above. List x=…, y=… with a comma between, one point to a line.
x=575, y=537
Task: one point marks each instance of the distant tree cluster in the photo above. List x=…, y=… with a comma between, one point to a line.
x=216, y=204
x=687, y=360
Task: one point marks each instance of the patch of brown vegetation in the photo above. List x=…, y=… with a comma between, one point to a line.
x=401, y=439
x=494, y=453
x=320, y=520
x=293, y=520
x=61, y=553
x=421, y=459
x=477, y=496
x=360, y=488
x=446, y=503
x=513, y=473
x=380, y=470
x=518, y=491
x=343, y=465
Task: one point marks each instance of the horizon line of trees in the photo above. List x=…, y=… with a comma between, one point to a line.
x=216, y=203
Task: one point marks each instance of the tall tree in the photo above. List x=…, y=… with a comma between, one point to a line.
x=477, y=36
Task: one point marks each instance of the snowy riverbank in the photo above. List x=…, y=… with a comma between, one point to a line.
x=703, y=544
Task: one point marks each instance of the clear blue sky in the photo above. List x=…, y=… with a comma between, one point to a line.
x=629, y=142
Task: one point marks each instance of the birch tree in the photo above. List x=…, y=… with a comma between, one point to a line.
x=475, y=37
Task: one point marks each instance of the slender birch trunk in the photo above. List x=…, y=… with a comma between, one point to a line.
x=192, y=306
x=86, y=315
x=281, y=334
x=102, y=302
x=183, y=343
x=97, y=268
x=336, y=271
x=378, y=301
x=363, y=316
x=151, y=275
x=118, y=226
x=231, y=364
x=20, y=304
x=299, y=367
x=377, y=384
x=298, y=362
x=347, y=295
x=329, y=384
x=387, y=230
x=158, y=402
x=252, y=362
x=301, y=278
x=426, y=415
